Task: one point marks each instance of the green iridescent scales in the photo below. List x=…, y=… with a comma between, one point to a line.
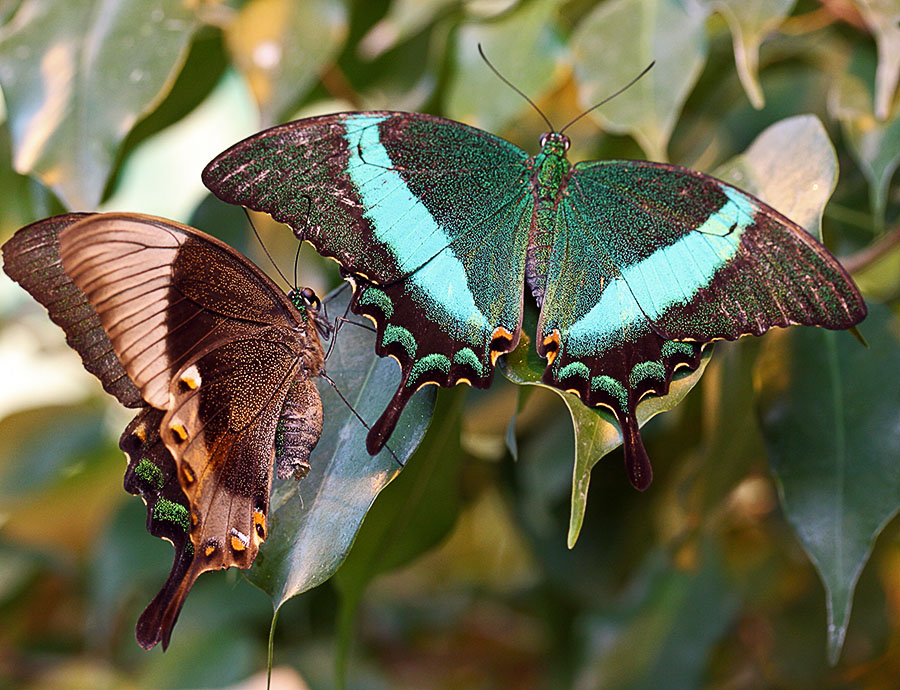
x=441, y=227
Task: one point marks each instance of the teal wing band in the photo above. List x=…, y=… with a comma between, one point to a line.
x=702, y=259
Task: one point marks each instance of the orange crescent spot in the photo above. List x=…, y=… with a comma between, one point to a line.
x=259, y=522
x=180, y=432
x=501, y=343
x=551, y=345
x=190, y=382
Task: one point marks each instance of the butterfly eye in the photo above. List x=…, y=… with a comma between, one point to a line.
x=544, y=138
x=310, y=298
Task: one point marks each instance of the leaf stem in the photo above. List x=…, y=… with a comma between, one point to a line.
x=875, y=251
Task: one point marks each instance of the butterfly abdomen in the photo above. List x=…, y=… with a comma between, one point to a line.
x=299, y=428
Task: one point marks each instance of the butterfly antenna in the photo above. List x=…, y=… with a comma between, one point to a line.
x=356, y=414
x=609, y=98
x=261, y=244
x=513, y=87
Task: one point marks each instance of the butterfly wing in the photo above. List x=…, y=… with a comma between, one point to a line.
x=609, y=356
x=153, y=475
x=216, y=346
x=31, y=258
x=428, y=215
x=704, y=260
x=646, y=254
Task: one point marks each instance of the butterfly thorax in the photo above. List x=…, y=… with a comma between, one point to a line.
x=312, y=323
x=551, y=170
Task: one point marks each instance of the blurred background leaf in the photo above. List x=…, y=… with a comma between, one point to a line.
x=282, y=46
x=461, y=575
x=71, y=94
x=836, y=468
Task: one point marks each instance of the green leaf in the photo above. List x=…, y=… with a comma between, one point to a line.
x=596, y=431
x=830, y=414
x=883, y=19
x=314, y=521
x=750, y=22
x=791, y=166
x=151, y=182
x=874, y=144
x=672, y=34
x=7, y=9
x=404, y=19
x=524, y=45
x=16, y=210
x=282, y=46
x=78, y=75
x=732, y=440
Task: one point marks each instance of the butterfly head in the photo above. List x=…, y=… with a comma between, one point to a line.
x=308, y=304
x=554, y=143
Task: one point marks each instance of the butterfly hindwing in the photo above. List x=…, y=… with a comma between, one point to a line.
x=617, y=376
x=153, y=475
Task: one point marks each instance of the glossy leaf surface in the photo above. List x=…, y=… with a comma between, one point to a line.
x=649, y=109
x=832, y=427
x=283, y=46
x=313, y=522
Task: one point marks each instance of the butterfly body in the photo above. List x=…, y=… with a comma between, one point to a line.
x=219, y=359
x=441, y=227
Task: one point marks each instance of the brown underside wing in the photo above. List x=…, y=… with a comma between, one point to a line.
x=174, y=321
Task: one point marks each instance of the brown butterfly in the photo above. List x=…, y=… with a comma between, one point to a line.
x=222, y=362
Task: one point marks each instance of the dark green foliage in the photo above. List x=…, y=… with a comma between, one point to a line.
x=704, y=581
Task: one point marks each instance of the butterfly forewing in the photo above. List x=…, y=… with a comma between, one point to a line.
x=31, y=258
x=381, y=192
x=703, y=260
